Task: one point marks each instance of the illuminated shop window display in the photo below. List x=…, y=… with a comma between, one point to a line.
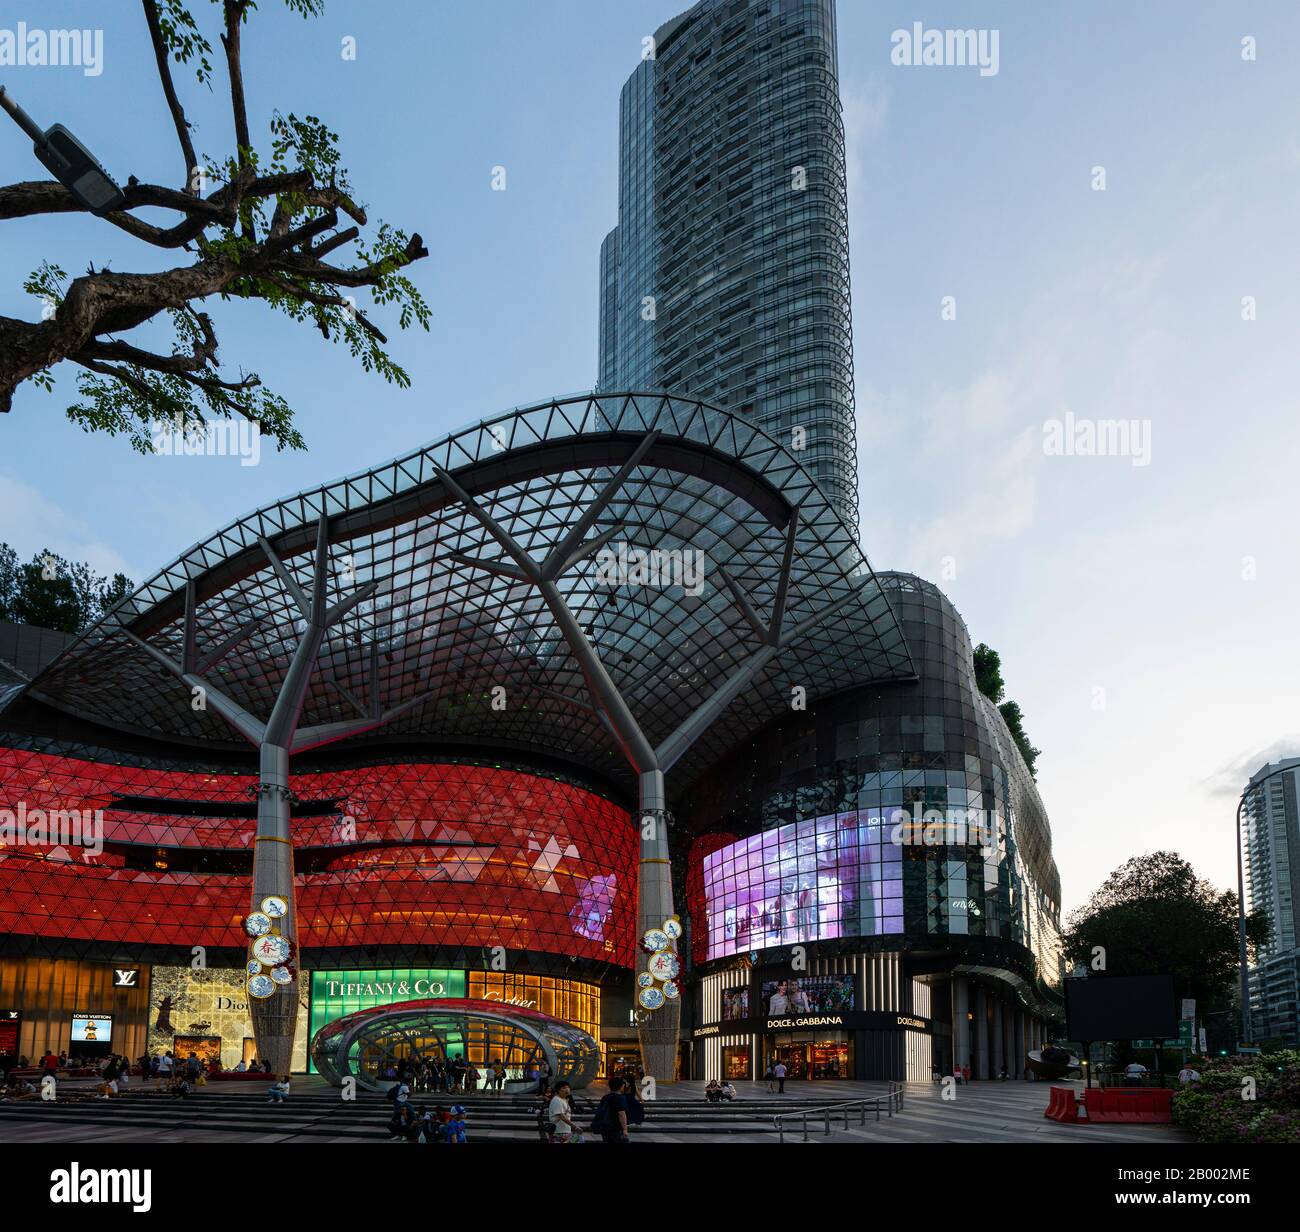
x=735, y=1062
x=207, y=1012
x=810, y=1055
x=335, y=994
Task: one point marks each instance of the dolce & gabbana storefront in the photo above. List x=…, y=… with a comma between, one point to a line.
x=812, y=1022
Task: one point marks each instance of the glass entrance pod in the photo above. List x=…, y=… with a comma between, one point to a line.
x=370, y=1044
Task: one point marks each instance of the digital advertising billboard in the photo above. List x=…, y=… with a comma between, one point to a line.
x=91, y=1033
x=808, y=994
x=814, y=880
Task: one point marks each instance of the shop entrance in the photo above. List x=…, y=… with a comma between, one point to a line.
x=819, y=1056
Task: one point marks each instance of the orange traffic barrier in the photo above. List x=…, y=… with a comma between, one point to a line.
x=1129, y=1105
x=1063, y=1105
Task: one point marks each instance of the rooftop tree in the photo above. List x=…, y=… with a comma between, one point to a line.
x=988, y=675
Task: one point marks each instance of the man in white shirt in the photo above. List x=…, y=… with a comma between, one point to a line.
x=560, y=1113
x=1133, y=1072
x=779, y=1071
x=1188, y=1074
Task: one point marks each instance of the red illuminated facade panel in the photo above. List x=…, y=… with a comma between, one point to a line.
x=701, y=848
x=429, y=853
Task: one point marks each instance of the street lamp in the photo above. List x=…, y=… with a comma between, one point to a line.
x=1246, y=1032
x=74, y=166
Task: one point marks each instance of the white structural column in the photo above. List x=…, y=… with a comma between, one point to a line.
x=980, y=1036
x=960, y=1022
x=659, y=1031
x=275, y=1018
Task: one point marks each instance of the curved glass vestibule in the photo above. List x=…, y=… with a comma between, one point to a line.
x=371, y=1044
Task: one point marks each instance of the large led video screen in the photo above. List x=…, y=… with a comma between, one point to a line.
x=813, y=880
x=1120, y=1007
x=808, y=994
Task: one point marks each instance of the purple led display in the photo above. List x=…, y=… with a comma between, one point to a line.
x=812, y=880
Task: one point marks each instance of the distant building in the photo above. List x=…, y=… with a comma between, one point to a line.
x=1271, y=851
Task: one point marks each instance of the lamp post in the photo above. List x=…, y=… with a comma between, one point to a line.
x=1246, y=1032
x=68, y=160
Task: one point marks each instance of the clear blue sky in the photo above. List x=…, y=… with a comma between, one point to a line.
x=1086, y=573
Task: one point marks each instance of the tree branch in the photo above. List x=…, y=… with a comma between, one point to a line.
x=169, y=92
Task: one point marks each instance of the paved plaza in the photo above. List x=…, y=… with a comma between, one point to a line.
x=981, y=1112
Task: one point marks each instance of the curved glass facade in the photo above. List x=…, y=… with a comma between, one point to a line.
x=433, y=854
x=371, y=1044
x=902, y=809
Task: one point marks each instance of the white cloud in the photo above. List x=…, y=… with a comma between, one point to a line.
x=866, y=109
x=32, y=521
x=1230, y=779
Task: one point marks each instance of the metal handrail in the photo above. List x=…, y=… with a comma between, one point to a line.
x=893, y=1099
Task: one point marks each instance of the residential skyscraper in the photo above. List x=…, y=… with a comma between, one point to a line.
x=1271, y=842
x=727, y=277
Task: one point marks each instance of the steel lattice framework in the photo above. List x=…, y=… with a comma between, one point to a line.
x=437, y=634
x=466, y=592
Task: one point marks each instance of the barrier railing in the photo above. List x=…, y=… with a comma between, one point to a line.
x=891, y=1102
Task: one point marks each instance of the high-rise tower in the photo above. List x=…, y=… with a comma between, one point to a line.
x=1271, y=843
x=727, y=277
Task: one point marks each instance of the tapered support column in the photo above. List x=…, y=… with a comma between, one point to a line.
x=980, y=1036
x=1018, y=1046
x=275, y=1018
x=658, y=1030
x=960, y=1023
x=999, y=1039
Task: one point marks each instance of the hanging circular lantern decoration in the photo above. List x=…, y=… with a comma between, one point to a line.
x=650, y=998
x=272, y=949
x=655, y=939
x=663, y=965
x=257, y=924
x=275, y=907
x=671, y=990
x=645, y=980
x=254, y=967
x=282, y=975
x=673, y=928
x=261, y=987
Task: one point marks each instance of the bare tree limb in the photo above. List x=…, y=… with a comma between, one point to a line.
x=169, y=92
